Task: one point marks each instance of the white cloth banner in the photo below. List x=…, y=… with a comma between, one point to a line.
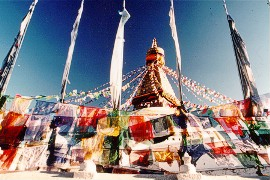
x=27, y=18
x=177, y=47
x=117, y=62
x=71, y=49
x=10, y=60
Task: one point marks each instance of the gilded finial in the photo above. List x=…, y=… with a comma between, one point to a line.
x=155, y=49
x=155, y=54
x=154, y=44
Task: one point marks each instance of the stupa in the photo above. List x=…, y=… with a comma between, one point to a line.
x=155, y=89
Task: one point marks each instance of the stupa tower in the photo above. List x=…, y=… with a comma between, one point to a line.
x=155, y=89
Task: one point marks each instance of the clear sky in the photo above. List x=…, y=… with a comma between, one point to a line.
x=206, y=47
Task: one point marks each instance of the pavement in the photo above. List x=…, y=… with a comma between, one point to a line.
x=49, y=175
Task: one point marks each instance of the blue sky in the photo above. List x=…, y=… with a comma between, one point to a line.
x=206, y=47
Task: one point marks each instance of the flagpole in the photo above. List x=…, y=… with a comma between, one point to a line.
x=74, y=34
x=225, y=7
x=10, y=60
x=178, y=53
x=116, y=77
x=247, y=80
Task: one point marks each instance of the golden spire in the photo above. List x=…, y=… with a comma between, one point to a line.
x=155, y=53
x=154, y=44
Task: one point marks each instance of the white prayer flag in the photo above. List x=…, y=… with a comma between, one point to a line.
x=117, y=62
x=74, y=34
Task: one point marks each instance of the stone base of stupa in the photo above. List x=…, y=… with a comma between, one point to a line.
x=188, y=170
x=87, y=170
